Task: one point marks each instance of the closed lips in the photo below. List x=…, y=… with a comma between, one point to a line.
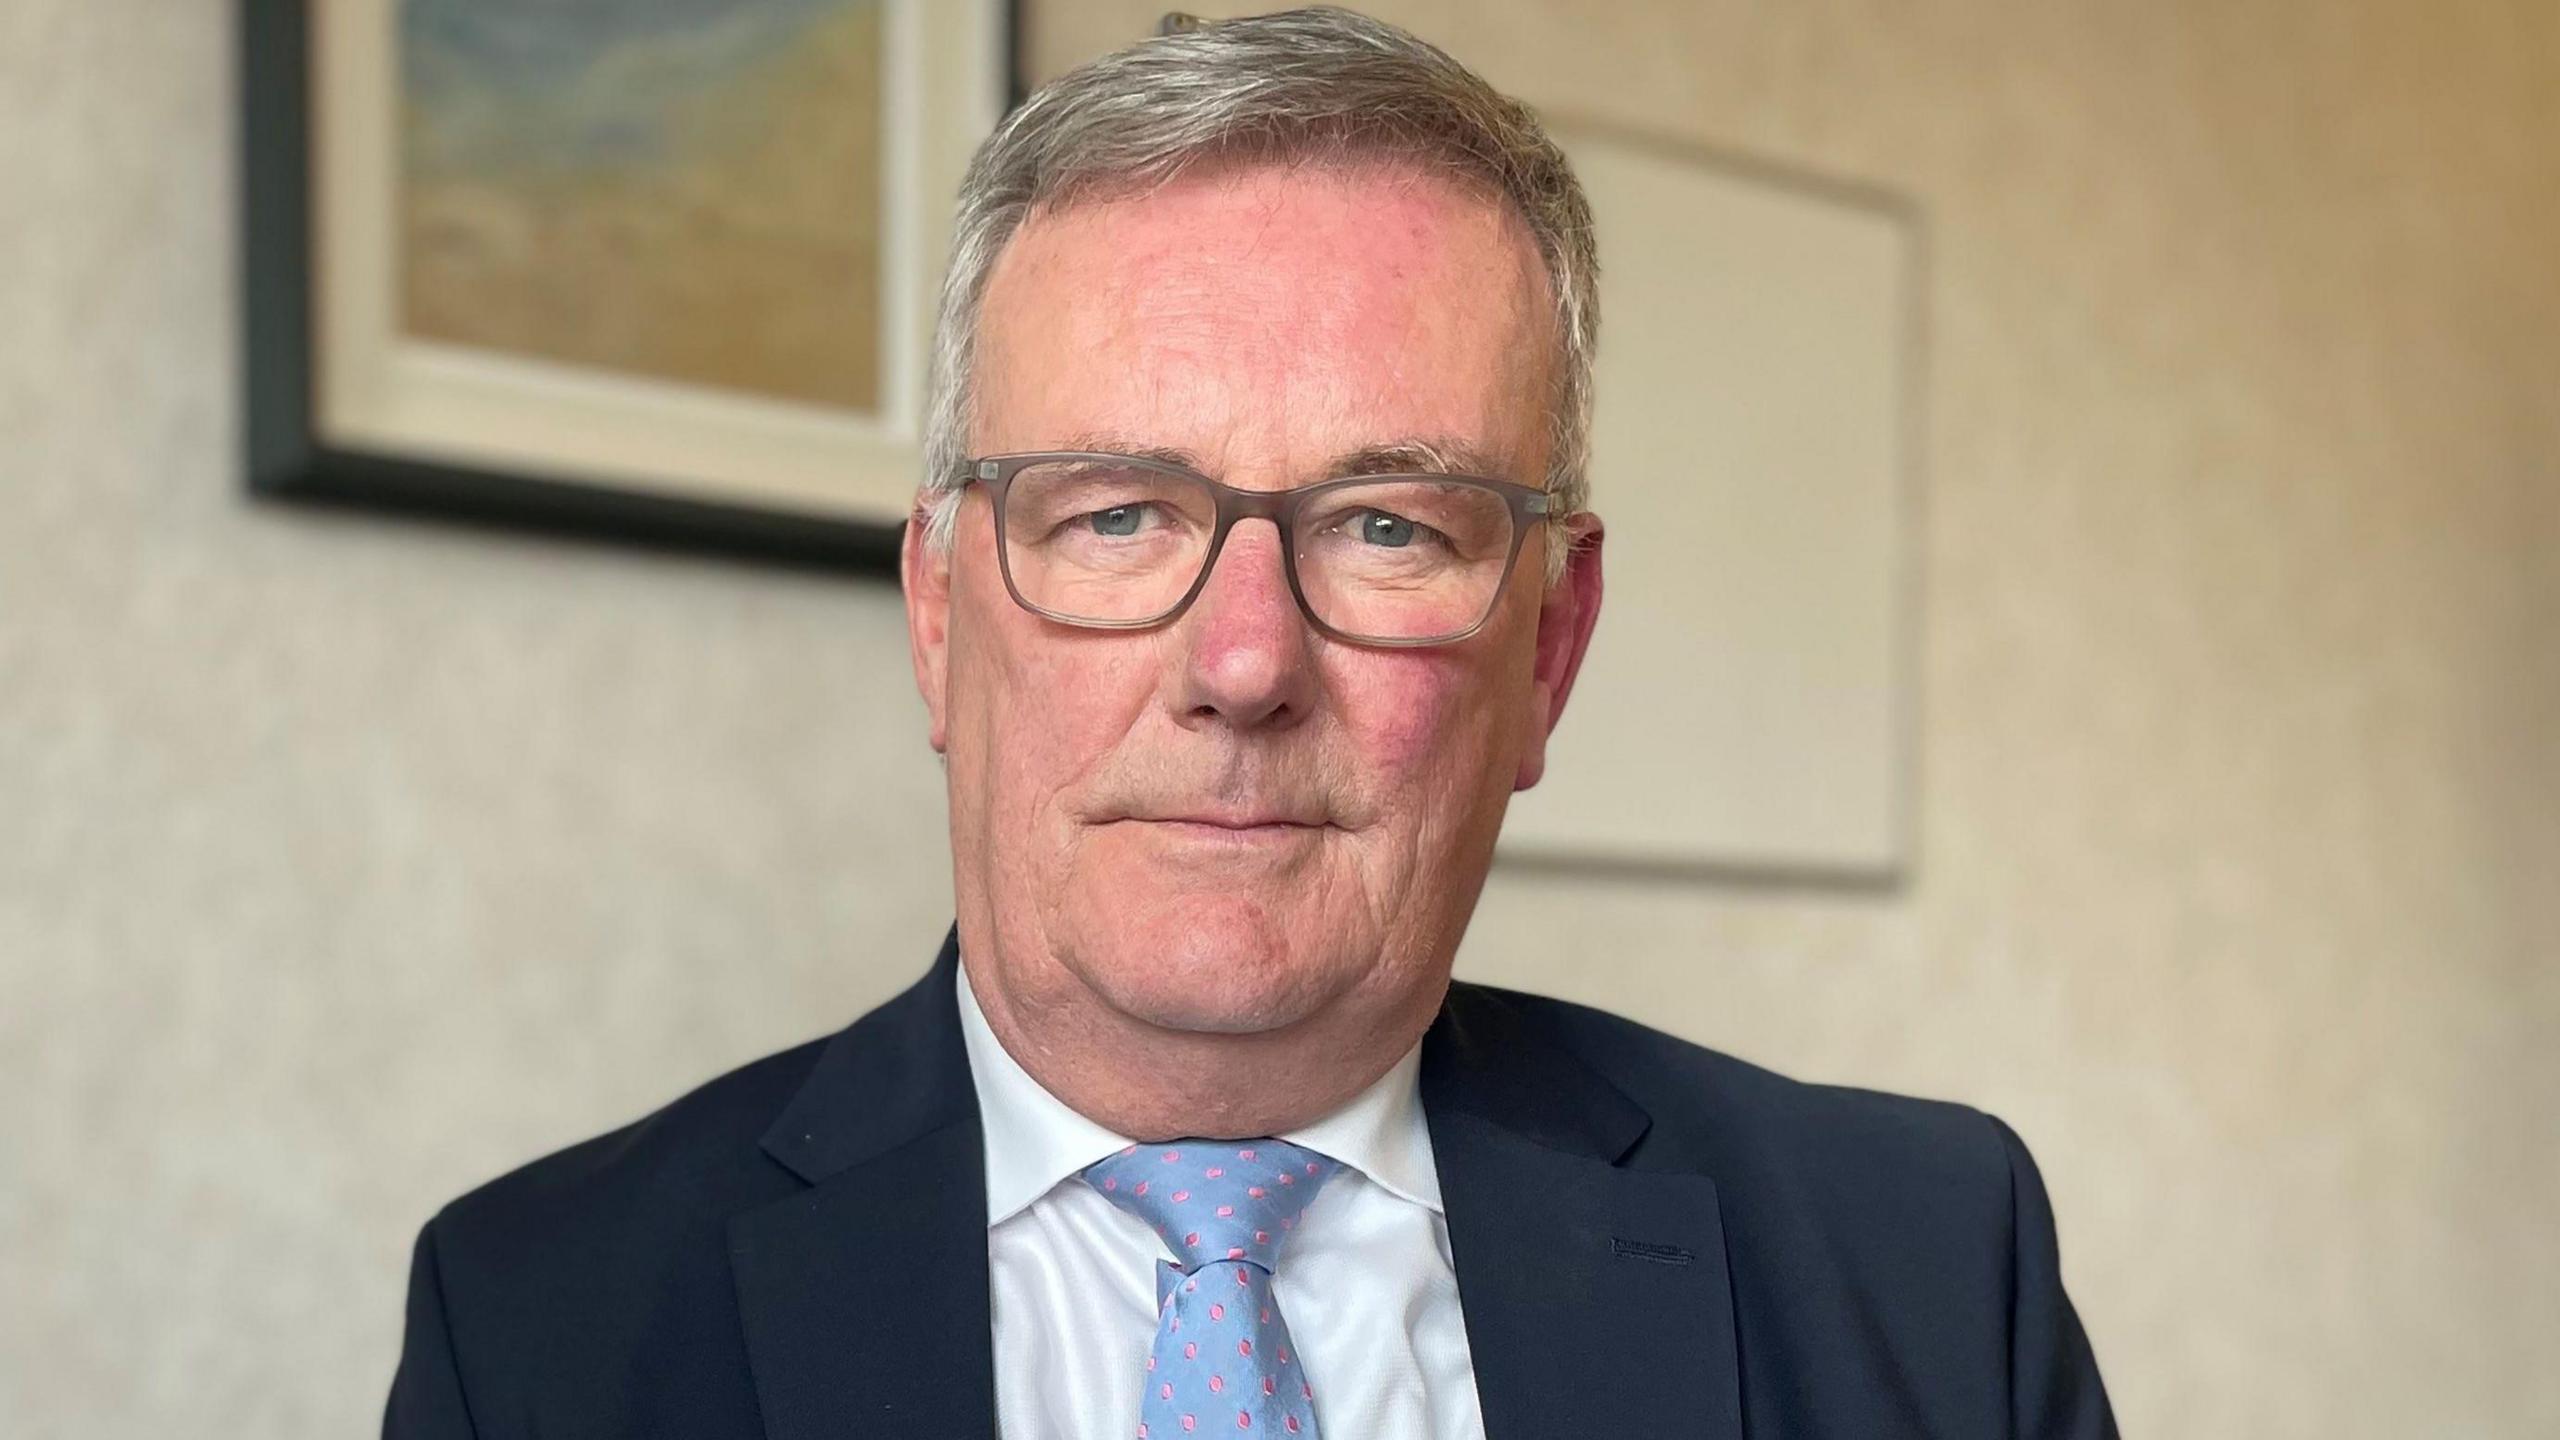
x=1231, y=822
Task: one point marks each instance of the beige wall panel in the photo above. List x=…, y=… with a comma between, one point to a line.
x=1748, y=708
x=344, y=862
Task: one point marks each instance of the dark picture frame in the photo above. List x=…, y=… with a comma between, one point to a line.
x=291, y=456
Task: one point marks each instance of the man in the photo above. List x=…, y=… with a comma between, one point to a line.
x=1251, y=576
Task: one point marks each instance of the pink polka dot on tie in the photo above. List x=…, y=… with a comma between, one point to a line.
x=1190, y=1349
x=1291, y=1421
x=1223, y=1211
x=1172, y=1155
x=1244, y=1419
x=1245, y=1348
x=1217, y=1312
x=1181, y=1195
x=1165, y=1391
x=1244, y=1154
x=1217, y=1384
x=1213, y=1172
x=1254, y=1190
x=1189, y=1424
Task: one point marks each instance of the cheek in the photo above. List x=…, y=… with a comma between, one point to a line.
x=1035, y=712
x=1429, y=726
x=1410, y=712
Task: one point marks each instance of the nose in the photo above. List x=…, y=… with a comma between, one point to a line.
x=1247, y=656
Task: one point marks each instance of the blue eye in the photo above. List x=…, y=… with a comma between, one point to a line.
x=1380, y=528
x=1118, y=520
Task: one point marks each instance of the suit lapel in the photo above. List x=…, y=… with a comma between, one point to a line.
x=1596, y=1296
x=864, y=1297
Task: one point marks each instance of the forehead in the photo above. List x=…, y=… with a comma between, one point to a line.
x=1265, y=319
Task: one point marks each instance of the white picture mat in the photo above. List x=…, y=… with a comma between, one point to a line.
x=376, y=389
x=1746, y=701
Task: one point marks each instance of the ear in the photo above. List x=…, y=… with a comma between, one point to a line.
x=1565, y=616
x=925, y=574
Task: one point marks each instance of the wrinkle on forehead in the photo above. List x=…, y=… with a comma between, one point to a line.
x=1272, y=319
x=1411, y=455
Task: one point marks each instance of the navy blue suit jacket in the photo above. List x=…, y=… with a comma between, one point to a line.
x=1651, y=1239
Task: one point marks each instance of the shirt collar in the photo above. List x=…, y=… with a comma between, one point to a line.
x=1034, y=1139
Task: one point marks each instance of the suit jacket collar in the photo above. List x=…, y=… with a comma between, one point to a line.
x=1485, y=1057
x=1596, y=1295
x=892, y=1077
x=864, y=1297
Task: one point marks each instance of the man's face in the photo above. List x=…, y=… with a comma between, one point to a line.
x=1229, y=823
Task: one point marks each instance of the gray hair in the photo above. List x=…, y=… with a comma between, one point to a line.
x=1313, y=85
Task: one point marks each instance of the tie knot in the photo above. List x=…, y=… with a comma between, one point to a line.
x=1216, y=1199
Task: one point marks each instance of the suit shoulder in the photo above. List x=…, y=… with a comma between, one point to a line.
x=589, y=1292
x=1741, y=1121
x=692, y=1158
x=1875, y=1244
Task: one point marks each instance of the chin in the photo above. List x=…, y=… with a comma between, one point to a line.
x=1223, y=965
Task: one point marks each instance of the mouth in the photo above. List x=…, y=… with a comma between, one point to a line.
x=1230, y=828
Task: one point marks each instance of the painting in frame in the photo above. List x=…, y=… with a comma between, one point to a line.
x=664, y=272
x=1747, y=711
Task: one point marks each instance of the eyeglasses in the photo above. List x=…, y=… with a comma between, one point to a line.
x=1122, y=542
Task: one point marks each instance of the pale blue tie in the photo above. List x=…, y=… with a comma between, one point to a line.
x=1222, y=1362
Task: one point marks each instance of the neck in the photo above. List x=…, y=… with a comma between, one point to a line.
x=1151, y=1083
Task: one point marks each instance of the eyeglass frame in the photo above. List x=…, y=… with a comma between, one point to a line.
x=1528, y=504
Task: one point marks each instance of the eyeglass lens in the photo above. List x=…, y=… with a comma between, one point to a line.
x=1400, y=558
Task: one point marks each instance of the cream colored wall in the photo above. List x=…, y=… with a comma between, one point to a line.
x=344, y=862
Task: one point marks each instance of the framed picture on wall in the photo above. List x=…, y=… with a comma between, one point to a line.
x=662, y=271
x=1746, y=710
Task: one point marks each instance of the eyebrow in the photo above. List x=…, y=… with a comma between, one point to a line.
x=1412, y=455
x=1431, y=455
x=1104, y=443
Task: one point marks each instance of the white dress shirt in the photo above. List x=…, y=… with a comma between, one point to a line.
x=1365, y=1284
